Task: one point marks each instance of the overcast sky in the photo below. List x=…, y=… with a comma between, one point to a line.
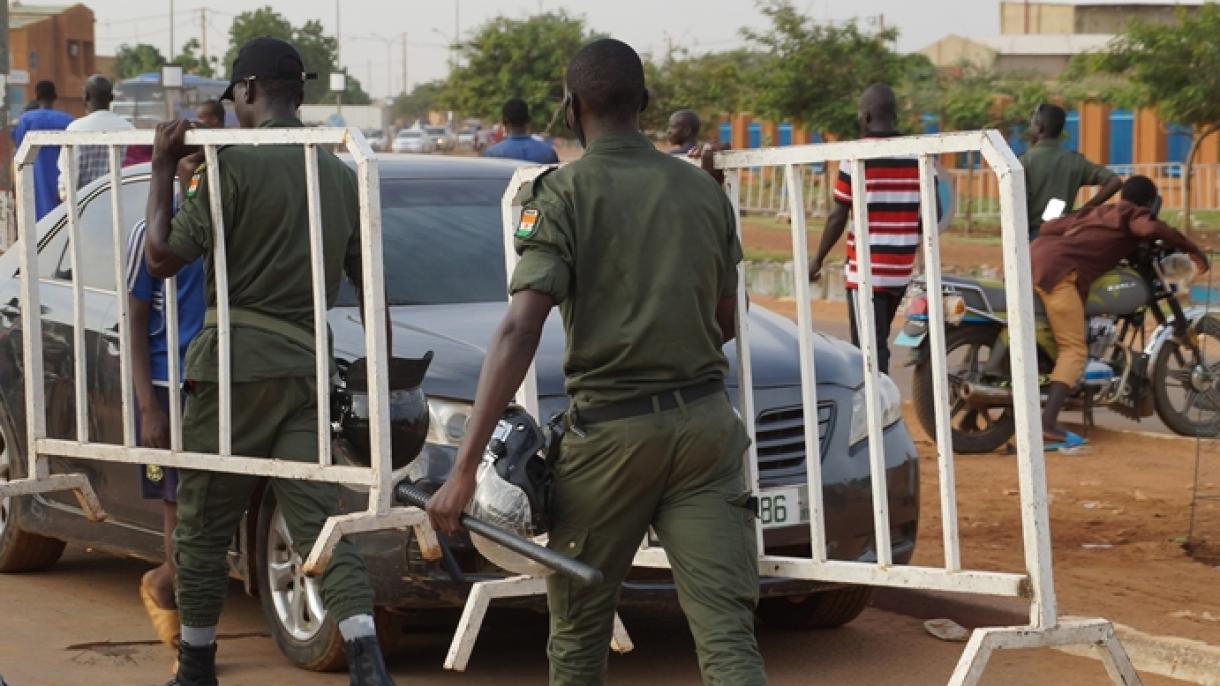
x=368, y=26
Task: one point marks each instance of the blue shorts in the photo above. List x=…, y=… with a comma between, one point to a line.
x=158, y=483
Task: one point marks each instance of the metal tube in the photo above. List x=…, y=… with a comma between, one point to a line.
x=1031, y=461
x=77, y=259
x=940, y=387
x=31, y=316
x=745, y=363
x=868, y=338
x=321, y=347
x=121, y=294
x=220, y=267
x=809, y=378
x=381, y=495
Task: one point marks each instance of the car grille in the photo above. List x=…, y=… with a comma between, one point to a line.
x=781, y=437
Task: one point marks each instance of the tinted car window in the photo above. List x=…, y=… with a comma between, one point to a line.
x=96, y=237
x=442, y=242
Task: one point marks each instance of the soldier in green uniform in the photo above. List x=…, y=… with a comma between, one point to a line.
x=273, y=392
x=639, y=251
x=1052, y=173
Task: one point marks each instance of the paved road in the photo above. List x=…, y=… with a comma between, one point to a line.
x=81, y=623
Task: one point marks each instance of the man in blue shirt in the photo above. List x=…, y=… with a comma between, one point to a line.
x=150, y=367
x=519, y=144
x=46, y=164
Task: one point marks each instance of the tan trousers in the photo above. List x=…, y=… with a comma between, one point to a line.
x=1065, y=312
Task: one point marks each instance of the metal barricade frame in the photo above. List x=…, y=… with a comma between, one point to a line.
x=1036, y=584
x=378, y=478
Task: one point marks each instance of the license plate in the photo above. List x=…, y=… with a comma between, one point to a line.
x=780, y=507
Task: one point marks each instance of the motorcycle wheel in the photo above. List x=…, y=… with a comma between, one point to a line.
x=1186, y=383
x=974, y=430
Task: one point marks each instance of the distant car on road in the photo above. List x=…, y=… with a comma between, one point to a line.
x=446, y=289
x=413, y=140
x=375, y=139
x=467, y=138
x=442, y=137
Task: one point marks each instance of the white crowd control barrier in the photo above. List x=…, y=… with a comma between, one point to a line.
x=379, y=478
x=1036, y=583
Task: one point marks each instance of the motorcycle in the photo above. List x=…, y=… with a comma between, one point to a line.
x=1147, y=355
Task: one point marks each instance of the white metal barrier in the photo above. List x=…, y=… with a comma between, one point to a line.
x=379, y=478
x=1036, y=583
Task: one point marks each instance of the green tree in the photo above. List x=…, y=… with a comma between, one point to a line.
x=424, y=98
x=522, y=58
x=193, y=63
x=1174, y=68
x=318, y=50
x=710, y=85
x=133, y=60
x=815, y=72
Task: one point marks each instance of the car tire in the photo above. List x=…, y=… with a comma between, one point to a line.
x=823, y=610
x=20, y=551
x=313, y=641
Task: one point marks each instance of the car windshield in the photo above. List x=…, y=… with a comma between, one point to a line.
x=409, y=134
x=435, y=129
x=441, y=242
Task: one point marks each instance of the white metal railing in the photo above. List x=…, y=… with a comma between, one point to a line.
x=379, y=477
x=764, y=189
x=1035, y=583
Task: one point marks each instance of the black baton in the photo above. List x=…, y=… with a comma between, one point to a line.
x=575, y=569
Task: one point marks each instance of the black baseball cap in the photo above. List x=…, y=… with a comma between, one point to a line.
x=266, y=58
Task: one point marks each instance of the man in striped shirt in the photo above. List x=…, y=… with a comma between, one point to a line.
x=892, y=197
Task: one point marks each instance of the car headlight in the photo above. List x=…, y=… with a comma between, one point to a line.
x=891, y=408
x=447, y=425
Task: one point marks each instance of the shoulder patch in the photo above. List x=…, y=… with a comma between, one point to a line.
x=528, y=223
x=193, y=188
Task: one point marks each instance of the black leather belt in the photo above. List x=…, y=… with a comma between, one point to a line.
x=668, y=400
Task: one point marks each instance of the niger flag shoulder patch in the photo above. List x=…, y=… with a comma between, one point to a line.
x=528, y=223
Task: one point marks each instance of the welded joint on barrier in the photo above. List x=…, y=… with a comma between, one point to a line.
x=77, y=483
x=1098, y=633
x=339, y=526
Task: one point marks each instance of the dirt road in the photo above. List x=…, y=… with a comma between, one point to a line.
x=81, y=623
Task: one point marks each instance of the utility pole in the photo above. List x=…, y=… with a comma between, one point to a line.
x=339, y=57
x=457, y=32
x=203, y=35
x=170, y=56
x=404, y=63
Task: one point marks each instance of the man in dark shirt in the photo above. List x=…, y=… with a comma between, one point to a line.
x=519, y=144
x=1068, y=256
x=682, y=132
x=44, y=117
x=1054, y=173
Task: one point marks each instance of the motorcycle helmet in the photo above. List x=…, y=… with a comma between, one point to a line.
x=514, y=489
x=408, y=409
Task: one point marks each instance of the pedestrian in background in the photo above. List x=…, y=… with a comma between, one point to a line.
x=210, y=114
x=92, y=161
x=519, y=144
x=1053, y=173
x=891, y=187
x=683, y=132
x=647, y=289
x=46, y=164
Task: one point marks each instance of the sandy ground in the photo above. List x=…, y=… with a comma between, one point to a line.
x=1119, y=518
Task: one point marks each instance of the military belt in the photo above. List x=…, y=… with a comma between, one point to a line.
x=648, y=404
x=257, y=320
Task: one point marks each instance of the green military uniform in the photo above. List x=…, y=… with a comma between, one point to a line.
x=274, y=402
x=1052, y=172
x=637, y=248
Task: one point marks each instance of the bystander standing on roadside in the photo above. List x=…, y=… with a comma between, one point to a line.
x=44, y=117
x=92, y=160
x=519, y=144
x=683, y=132
x=1053, y=173
x=210, y=114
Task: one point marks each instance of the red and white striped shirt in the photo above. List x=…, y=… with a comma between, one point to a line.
x=892, y=193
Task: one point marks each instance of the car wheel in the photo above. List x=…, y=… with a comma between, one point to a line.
x=292, y=602
x=20, y=551
x=823, y=610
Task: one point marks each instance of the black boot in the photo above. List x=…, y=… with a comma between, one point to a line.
x=1056, y=396
x=365, y=663
x=196, y=666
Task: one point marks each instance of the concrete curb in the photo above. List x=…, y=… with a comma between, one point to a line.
x=1169, y=656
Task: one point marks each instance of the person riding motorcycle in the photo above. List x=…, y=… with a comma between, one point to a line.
x=1069, y=254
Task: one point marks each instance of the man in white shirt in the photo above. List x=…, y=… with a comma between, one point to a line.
x=91, y=159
